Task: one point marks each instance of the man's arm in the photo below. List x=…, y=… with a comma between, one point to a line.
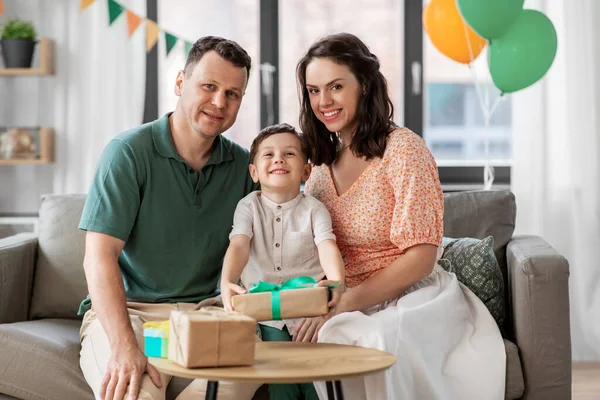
x=105, y=285
x=127, y=362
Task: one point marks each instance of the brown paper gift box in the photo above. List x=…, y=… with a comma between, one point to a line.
x=295, y=303
x=211, y=337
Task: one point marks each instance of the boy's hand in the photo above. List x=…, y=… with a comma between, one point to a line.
x=307, y=329
x=228, y=290
x=336, y=292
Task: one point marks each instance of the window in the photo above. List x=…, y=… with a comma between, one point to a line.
x=190, y=19
x=454, y=116
x=432, y=95
x=447, y=110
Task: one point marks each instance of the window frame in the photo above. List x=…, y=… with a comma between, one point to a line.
x=151, y=98
x=453, y=178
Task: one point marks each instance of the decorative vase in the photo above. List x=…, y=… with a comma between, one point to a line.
x=17, y=53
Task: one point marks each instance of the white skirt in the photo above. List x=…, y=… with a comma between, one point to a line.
x=447, y=344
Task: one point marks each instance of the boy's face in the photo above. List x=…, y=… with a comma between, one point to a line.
x=279, y=163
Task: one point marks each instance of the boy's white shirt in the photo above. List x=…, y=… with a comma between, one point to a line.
x=283, y=240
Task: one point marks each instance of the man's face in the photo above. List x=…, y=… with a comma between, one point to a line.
x=210, y=96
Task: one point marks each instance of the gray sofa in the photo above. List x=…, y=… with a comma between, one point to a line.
x=42, y=283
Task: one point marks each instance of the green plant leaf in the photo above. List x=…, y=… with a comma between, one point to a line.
x=17, y=28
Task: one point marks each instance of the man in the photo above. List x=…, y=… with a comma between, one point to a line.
x=157, y=217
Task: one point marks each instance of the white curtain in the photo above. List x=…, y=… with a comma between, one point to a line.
x=556, y=170
x=99, y=87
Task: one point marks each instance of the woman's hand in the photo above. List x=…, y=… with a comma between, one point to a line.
x=307, y=329
x=228, y=290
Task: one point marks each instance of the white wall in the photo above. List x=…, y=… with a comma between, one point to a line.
x=96, y=92
x=26, y=101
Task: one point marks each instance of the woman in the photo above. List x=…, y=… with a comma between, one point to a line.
x=381, y=186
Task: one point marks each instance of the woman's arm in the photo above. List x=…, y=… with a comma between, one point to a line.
x=412, y=266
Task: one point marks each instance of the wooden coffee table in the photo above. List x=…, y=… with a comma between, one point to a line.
x=291, y=362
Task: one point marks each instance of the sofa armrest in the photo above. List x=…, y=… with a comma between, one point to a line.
x=17, y=259
x=538, y=279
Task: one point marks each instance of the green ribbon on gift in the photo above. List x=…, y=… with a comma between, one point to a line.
x=301, y=282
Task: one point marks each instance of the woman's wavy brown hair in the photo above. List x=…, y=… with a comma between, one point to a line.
x=375, y=111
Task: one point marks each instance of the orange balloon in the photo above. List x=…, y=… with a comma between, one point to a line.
x=446, y=29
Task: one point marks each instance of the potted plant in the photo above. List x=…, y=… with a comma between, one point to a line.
x=18, y=41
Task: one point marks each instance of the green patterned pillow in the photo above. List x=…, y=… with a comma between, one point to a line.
x=475, y=265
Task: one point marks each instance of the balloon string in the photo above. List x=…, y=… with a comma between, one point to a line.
x=484, y=103
x=488, y=113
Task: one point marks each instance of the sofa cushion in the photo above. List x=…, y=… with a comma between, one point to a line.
x=479, y=214
x=474, y=263
x=59, y=284
x=40, y=360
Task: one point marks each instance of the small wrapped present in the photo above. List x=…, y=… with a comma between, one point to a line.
x=211, y=337
x=156, y=338
x=295, y=298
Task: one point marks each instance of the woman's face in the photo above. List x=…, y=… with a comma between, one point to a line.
x=334, y=94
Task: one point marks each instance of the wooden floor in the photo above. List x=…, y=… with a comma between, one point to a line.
x=586, y=381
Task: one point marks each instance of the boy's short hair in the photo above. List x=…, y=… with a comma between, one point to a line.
x=272, y=130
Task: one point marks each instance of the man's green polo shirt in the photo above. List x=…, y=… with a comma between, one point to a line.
x=174, y=221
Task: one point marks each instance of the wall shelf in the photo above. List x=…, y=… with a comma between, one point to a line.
x=46, y=151
x=46, y=52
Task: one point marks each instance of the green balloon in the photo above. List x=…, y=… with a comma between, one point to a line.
x=524, y=54
x=490, y=18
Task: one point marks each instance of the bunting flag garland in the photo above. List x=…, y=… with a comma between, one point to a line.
x=1, y=8
x=152, y=32
x=170, y=40
x=114, y=10
x=84, y=4
x=133, y=21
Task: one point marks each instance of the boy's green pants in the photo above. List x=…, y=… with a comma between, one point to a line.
x=291, y=391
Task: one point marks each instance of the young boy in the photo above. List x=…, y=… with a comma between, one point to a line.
x=277, y=234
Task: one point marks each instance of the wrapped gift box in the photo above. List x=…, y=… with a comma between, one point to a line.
x=156, y=338
x=284, y=304
x=211, y=337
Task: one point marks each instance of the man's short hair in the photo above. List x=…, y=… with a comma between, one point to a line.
x=272, y=130
x=227, y=49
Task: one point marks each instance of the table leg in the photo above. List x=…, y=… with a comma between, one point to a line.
x=339, y=394
x=330, y=395
x=211, y=390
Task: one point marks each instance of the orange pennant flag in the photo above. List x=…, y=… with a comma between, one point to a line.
x=85, y=4
x=152, y=31
x=1, y=8
x=133, y=21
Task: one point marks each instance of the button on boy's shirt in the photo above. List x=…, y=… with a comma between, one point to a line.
x=175, y=222
x=284, y=239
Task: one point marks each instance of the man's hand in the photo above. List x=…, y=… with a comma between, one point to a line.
x=124, y=372
x=307, y=329
x=229, y=290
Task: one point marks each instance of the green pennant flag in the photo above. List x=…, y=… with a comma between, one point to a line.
x=114, y=10
x=188, y=47
x=170, y=40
